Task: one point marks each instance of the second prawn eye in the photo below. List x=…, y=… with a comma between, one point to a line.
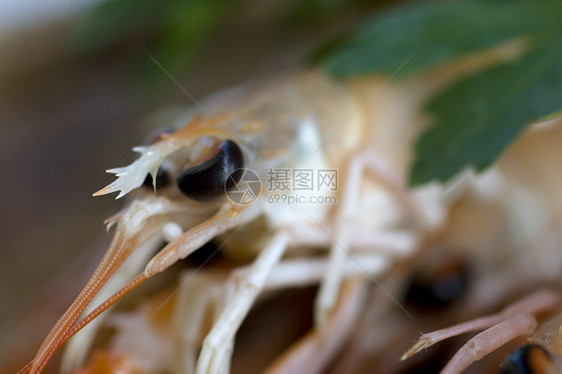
x=439, y=283
x=209, y=180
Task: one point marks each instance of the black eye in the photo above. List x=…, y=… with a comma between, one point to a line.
x=208, y=180
x=438, y=284
x=527, y=359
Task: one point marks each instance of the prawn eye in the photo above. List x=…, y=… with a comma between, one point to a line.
x=527, y=359
x=438, y=284
x=209, y=180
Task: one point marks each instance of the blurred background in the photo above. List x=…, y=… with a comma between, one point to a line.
x=76, y=85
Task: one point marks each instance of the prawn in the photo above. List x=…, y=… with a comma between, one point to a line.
x=226, y=158
x=282, y=125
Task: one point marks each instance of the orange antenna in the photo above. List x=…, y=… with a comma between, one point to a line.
x=104, y=306
x=87, y=319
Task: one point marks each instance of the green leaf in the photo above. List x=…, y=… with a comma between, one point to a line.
x=429, y=33
x=477, y=118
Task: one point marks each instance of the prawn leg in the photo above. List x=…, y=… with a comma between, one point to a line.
x=363, y=161
x=395, y=243
x=488, y=341
x=311, y=354
x=513, y=321
x=217, y=345
x=537, y=302
x=227, y=218
x=199, y=293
